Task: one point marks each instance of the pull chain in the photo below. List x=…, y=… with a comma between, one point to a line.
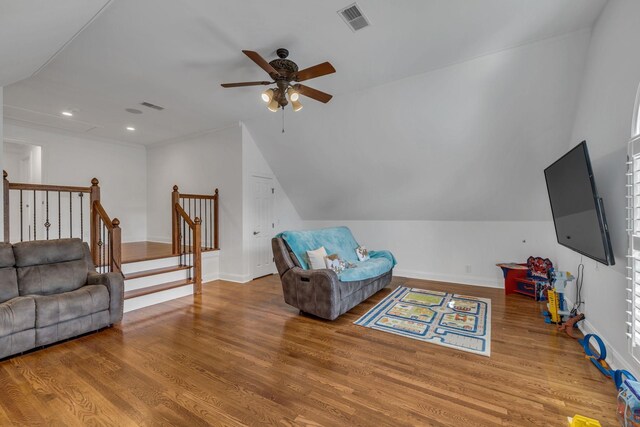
x=282, y=119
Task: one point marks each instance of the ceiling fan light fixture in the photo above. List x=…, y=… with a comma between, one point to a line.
x=273, y=105
x=267, y=95
x=296, y=105
x=294, y=95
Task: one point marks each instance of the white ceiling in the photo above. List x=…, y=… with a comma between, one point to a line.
x=443, y=109
x=32, y=31
x=462, y=143
x=175, y=54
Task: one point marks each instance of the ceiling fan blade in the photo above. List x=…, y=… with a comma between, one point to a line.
x=314, y=93
x=245, y=84
x=262, y=63
x=315, y=71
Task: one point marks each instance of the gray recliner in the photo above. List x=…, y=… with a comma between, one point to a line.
x=50, y=291
x=320, y=292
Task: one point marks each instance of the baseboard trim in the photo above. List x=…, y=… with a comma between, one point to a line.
x=614, y=358
x=157, y=239
x=237, y=278
x=449, y=278
x=210, y=278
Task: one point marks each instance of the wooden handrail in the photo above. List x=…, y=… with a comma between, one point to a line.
x=196, y=245
x=5, y=208
x=209, y=217
x=104, y=216
x=114, y=237
x=98, y=217
x=216, y=243
x=45, y=187
x=184, y=215
x=197, y=196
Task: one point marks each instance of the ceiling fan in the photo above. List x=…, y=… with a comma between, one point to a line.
x=285, y=75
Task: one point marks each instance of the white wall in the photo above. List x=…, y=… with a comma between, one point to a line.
x=225, y=159
x=285, y=215
x=14, y=157
x=453, y=251
x=71, y=159
x=604, y=119
x=198, y=166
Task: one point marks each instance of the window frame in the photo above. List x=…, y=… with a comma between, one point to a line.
x=633, y=233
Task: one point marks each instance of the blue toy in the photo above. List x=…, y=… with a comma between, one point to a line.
x=598, y=359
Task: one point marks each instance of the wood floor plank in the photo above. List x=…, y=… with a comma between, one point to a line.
x=238, y=355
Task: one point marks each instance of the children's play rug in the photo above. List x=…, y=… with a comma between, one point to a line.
x=457, y=321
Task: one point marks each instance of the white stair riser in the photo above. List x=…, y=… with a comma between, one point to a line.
x=143, y=282
x=157, y=298
x=210, y=271
x=134, y=267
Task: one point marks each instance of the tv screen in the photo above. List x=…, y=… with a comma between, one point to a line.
x=578, y=212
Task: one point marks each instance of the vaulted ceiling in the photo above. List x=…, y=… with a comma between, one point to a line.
x=443, y=109
x=33, y=31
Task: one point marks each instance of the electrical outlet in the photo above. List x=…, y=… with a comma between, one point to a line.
x=467, y=268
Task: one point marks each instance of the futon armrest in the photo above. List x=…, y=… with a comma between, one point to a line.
x=114, y=283
x=316, y=291
x=318, y=274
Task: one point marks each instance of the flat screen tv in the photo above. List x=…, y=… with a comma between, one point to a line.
x=578, y=212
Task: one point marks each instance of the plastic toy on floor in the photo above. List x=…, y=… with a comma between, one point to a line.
x=599, y=357
x=570, y=325
x=580, y=421
x=537, y=280
x=557, y=311
x=628, y=408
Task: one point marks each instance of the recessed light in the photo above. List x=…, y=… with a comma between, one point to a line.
x=67, y=113
x=130, y=128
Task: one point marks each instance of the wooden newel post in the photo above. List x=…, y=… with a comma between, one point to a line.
x=5, y=192
x=116, y=246
x=197, y=257
x=94, y=227
x=175, y=228
x=216, y=196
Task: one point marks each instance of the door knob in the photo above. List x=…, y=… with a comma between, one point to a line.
x=256, y=232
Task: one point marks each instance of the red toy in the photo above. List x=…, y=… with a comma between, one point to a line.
x=512, y=271
x=537, y=280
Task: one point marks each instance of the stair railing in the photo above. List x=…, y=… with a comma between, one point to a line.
x=59, y=211
x=107, y=252
x=203, y=206
x=189, y=245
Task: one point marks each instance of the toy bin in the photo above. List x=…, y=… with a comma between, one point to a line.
x=628, y=409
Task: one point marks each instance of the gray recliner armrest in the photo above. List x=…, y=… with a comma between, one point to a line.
x=316, y=291
x=115, y=284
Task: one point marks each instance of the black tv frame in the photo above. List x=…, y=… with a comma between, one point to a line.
x=602, y=219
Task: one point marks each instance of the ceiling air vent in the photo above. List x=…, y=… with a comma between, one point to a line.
x=354, y=17
x=150, y=105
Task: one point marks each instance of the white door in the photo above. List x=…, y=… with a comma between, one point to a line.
x=263, y=226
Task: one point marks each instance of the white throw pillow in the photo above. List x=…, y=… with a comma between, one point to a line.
x=316, y=258
x=333, y=262
x=363, y=253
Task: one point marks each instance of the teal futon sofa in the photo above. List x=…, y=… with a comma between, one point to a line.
x=323, y=292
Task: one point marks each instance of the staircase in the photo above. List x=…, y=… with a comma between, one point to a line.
x=153, y=272
x=151, y=279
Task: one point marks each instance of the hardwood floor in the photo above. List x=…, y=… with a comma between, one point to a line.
x=145, y=251
x=238, y=355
